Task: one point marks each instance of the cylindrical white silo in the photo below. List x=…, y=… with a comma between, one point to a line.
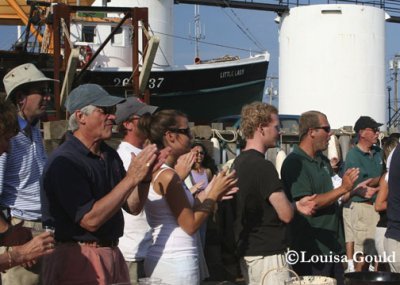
x=332, y=60
x=161, y=17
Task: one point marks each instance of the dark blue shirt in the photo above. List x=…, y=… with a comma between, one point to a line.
x=73, y=180
x=393, y=205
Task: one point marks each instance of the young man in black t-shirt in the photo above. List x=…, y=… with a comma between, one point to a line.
x=262, y=207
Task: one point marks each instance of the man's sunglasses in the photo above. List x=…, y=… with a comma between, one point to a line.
x=41, y=91
x=375, y=130
x=327, y=129
x=186, y=131
x=107, y=110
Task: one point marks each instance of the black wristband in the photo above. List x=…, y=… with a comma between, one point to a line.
x=145, y=182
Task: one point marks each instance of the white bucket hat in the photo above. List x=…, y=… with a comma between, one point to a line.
x=23, y=75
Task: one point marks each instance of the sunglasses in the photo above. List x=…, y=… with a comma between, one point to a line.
x=375, y=130
x=200, y=152
x=327, y=129
x=185, y=132
x=41, y=91
x=107, y=110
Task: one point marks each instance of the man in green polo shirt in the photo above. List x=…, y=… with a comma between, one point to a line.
x=306, y=171
x=359, y=215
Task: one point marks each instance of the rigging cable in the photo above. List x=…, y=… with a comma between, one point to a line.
x=209, y=43
x=244, y=29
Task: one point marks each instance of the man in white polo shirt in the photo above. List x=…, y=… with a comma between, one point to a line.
x=21, y=168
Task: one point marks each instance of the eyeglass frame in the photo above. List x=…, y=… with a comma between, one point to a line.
x=375, y=130
x=111, y=110
x=42, y=91
x=327, y=129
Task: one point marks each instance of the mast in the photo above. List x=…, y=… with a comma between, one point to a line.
x=198, y=35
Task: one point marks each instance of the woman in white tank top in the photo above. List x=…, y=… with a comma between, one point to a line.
x=170, y=208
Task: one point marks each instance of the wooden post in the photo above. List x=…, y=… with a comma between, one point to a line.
x=138, y=14
x=61, y=11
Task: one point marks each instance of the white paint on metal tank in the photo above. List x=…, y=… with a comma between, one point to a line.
x=161, y=17
x=332, y=60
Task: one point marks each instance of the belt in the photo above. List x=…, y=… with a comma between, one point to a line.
x=366, y=202
x=94, y=243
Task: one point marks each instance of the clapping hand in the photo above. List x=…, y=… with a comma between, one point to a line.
x=184, y=164
x=223, y=185
x=365, y=191
x=28, y=253
x=148, y=161
x=307, y=205
x=349, y=178
x=197, y=188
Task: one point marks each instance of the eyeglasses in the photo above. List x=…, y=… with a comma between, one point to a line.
x=375, y=130
x=200, y=152
x=107, y=110
x=185, y=132
x=41, y=91
x=327, y=129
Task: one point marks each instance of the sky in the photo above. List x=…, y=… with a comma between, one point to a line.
x=220, y=29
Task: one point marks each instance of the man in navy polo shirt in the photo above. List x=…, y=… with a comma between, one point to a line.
x=84, y=186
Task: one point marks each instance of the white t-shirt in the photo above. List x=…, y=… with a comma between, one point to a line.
x=137, y=233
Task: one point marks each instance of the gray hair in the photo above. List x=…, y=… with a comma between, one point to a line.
x=73, y=124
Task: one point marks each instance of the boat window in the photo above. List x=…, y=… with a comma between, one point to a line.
x=88, y=34
x=118, y=38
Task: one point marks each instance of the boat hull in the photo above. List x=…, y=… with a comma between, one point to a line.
x=204, y=93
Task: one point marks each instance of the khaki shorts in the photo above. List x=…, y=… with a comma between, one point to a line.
x=360, y=221
x=348, y=232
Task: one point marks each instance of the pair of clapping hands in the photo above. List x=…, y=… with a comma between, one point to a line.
x=224, y=182
x=363, y=189
x=307, y=204
x=148, y=161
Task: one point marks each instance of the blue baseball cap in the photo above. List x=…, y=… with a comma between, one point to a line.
x=90, y=94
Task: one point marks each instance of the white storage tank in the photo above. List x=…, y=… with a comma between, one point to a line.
x=332, y=60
